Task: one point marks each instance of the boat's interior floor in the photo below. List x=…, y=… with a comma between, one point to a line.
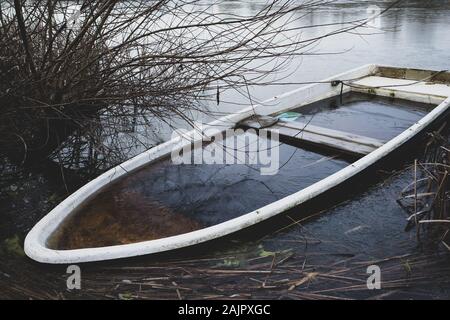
x=165, y=199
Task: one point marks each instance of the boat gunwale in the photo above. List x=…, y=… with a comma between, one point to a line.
x=35, y=242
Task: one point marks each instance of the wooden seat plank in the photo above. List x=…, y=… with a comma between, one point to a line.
x=346, y=142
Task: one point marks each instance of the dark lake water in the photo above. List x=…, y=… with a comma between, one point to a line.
x=367, y=225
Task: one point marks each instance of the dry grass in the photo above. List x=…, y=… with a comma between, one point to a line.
x=426, y=199
x=274, y=275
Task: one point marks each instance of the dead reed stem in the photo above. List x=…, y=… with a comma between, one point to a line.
x=431, y=192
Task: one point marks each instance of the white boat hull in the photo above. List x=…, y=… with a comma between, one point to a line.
x=36, y=240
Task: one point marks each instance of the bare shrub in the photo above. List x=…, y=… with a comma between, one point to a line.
x=80, y=73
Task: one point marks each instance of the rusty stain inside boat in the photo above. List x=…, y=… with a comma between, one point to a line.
x=120, y=215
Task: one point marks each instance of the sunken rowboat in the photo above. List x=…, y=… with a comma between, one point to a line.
x=330, y=133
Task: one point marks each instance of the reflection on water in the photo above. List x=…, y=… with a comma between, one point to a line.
x=411, y=36
x=371, y=116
